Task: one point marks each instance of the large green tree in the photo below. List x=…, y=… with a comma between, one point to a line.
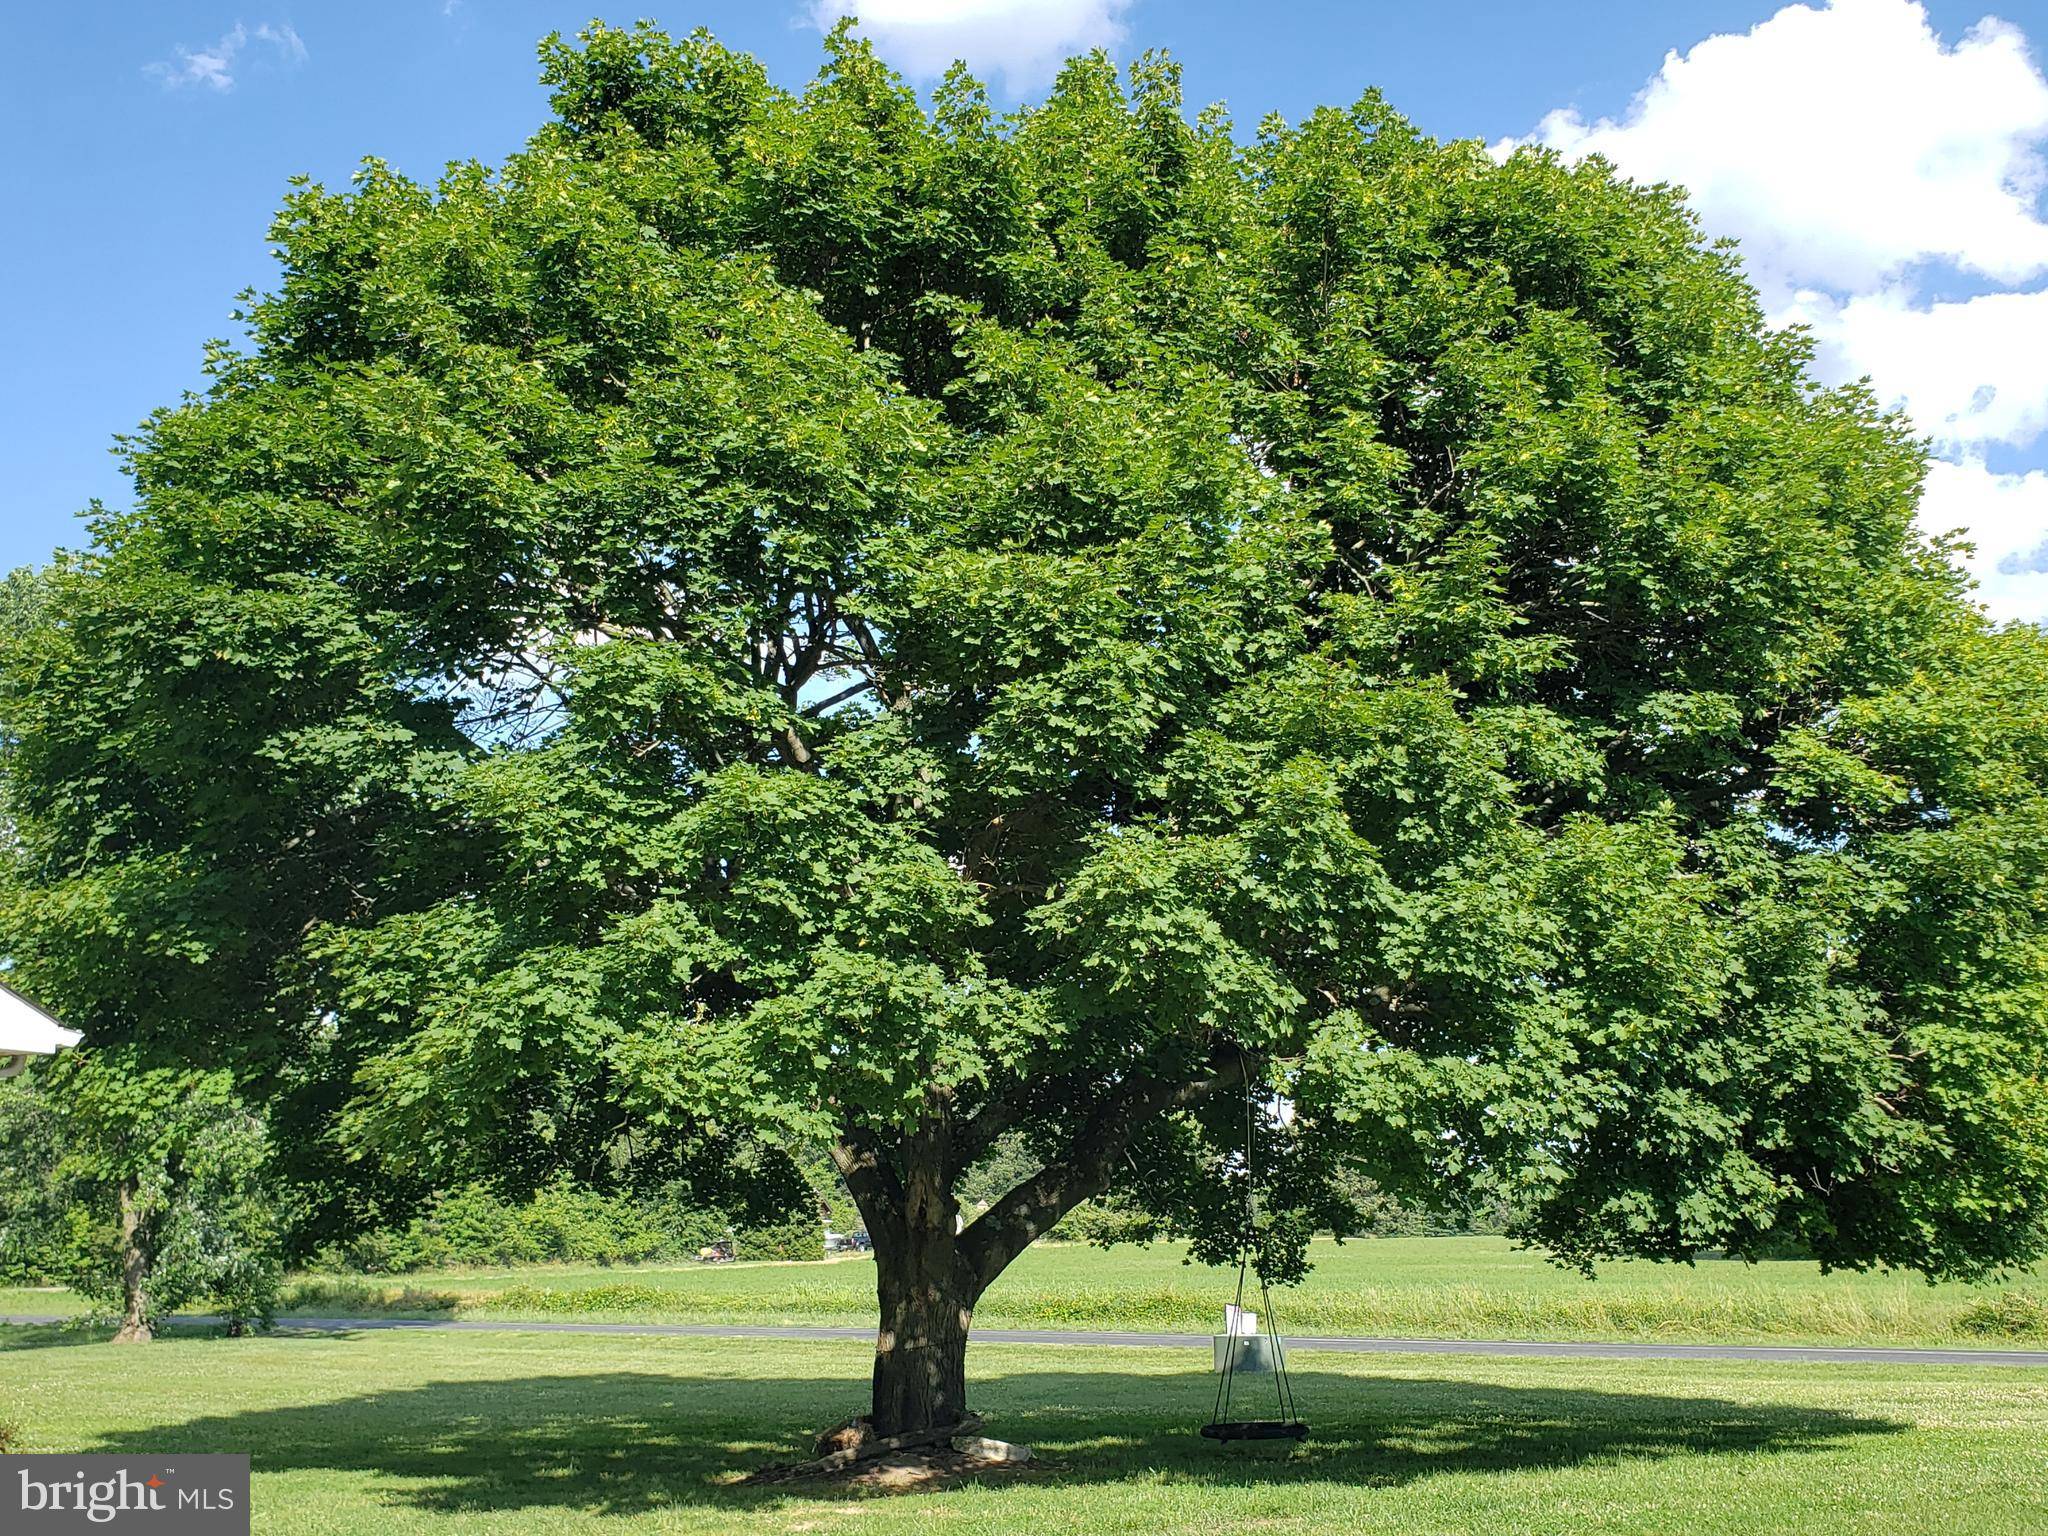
x=843, y=621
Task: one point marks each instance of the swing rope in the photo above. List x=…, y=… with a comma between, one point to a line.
x=1221, y=1426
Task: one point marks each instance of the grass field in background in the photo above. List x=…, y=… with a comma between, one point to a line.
x=1444, y=1287
x=454, y=1434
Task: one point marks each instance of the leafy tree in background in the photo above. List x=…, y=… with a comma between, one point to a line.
x=31, y=1199
x=146, y=1190
x=24, y=606
x=24, y=599
x=145, y=1186
x=815, y=618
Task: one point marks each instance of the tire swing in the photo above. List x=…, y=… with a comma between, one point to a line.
x=1241, y=1348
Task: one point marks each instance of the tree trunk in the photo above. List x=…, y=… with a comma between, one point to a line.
x=927, y=1304
x=929, y=1274
x=135, y=1327
x=924, y=1283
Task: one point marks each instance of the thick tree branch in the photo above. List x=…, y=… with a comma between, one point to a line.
x=869, y=1178
x=874, y=656
x=1029, y=1211
x=812, y=711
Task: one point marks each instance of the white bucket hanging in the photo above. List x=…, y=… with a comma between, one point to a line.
x=1241, y=1347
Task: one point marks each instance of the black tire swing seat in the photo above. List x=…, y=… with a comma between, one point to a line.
x=1256, y=1429
x=1288, y=1424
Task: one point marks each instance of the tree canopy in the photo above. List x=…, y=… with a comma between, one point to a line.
x=830, y=619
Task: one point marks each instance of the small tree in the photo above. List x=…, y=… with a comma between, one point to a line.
x=811, y=617
x=145, y=1190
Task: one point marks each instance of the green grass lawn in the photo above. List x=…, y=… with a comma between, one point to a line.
x=1471, y=1287
x=452, y=1434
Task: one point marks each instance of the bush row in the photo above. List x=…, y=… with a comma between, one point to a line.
x=563, y=1223
x=2009, y=1314
x=1108, y=1221
x=1189, y=1302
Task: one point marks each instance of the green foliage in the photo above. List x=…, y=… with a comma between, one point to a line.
x=210, y=1218
x=475, y=1226
x=24, y=600
x=2008, y=1314
x=218, y=1237
x=780, y=620
x=1006, y=1164
x=1375, y=1213
x=33, y=1195
x=472, y=1225
x=686, y=1226
x=799, y=1239
x=1105, y=1223
x=548, y=1302
x=323, y=1296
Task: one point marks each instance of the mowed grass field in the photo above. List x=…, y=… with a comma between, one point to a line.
x=1470, y=1287
x=440, y=1434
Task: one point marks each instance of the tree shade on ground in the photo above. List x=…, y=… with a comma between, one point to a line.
x=442, y=1433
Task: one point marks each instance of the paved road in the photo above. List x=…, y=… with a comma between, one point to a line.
x=1348, y=1346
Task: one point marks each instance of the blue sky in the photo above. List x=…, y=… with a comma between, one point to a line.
x=1882, y=161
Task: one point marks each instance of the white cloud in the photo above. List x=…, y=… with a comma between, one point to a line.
x=213, y=66
x=1024, y=40
x=1843, y=145
x=1859, y=157
x=1970, y=373
x=2007, y=518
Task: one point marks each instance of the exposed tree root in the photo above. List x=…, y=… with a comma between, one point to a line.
x=852, y=1455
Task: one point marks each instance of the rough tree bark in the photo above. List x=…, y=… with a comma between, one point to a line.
x=927, y=1304
x=923, y=1285
x=135, y=1327
x=929, y=1273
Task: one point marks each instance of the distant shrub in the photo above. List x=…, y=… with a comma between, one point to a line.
x=475, y=1226
x=567, y=1223
x=683, y=1225
x=2009, y=1314
x=1007, y=1163
x=596, y=1298
x=1376, y=1213
x=1105, y=1223
x=799, y=1238
x=352, y=1298
x=368, y=1253
x=576, y=1225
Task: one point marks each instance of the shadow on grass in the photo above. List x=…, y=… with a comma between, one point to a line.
x=86, y=1330
x=50, y=1335
x=623, y=1443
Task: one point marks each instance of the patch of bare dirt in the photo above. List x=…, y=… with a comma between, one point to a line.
x=848, y=1456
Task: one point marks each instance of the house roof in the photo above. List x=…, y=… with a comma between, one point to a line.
x=25, y=1030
